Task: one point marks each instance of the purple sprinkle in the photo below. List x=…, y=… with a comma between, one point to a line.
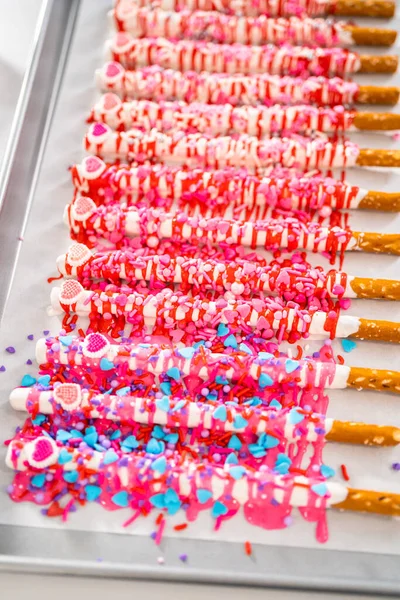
x=288, y=521
x=396, y=466
x=29, y=362
x=10, y=489
x=153, y=535
x=30, y=336
x=2, y=369
x=10, y=350
x=183, y=557
x=46, y=332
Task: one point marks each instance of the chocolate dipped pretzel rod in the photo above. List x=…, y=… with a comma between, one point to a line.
x=244, y=278
x=225, y=119
x=198, y=149
x=190, y=55
x=155, y=83
x=214, y=26
x=266, y=314
x=87, y=352
x=115, y=222
x=314, y=8
x=187, y=478
x=182, y=412
x=221, y=188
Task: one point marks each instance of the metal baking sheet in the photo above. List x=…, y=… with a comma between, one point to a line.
x=362, y=552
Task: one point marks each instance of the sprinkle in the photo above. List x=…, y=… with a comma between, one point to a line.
x=396, y=466
x=247, y=548
x=165, y=387
x=348, y=345
x=106, y=365
x=10, y=349
x=239, y=422
x=160, y=465
x=28, y=381
x=291, y=365
x=345, y=474
x=163, y=404
x=220, y=413
x=174, y=373
x=44, y=380
x=130, y=442
x=265, y=380
x=110, y=457
x=327, y=471
x=64, y=456
x=39, y=419
x=30, y=336
x=92, y=492
x=231, y=459
x=121, y=499
x=218, y=510
x=222, y=330
x=275, y=404
x=234, y=443
x=230, y=342
x=66, y=340
x=160, y=560
x=124, y=391
x=71, y=476
x=28, y=362
x=2, y=369
x=320, y=489
x=180, y=527
x=187, y=352
x=183, y=557
x=203, y=495
x=295, y=417
x=38, y=480
x=244, y=348
x=237, y=472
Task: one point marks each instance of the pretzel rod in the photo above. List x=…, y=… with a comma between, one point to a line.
x=203, y=362
x=245, y=278
x=189, y=55
x=185, y=413
x=261, y=314
x=152, y=225
x=155, y=83
x=189, y=477
x=217, y=119
x=221, y=188
x=214, y=26
x=271, y=8
x=245, y=151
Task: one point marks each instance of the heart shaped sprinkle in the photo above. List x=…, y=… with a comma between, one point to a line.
x=95, y=345
x=98, y=130
x=78, y=255
x=42, y=452
x=68, y=395
x=110, y=101
x=70, y=292
x=82, y=208
x=93, y=165
x=113, y=69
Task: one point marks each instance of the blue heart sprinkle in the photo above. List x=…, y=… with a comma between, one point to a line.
x=38, y=480
x=295, y=417
x=171, y=438
x=275, y=404
x=154, y=447
x=158, y=500
x=71, y=476
x=282, y=468
x=232, y=459
x=237, y=472
x=131, y=442
x=160, y=465
x=121, y=499
x=124, y=391
x=92, y=492
x=187, y=352
x=257, y=451
x=44, y=380
x=265, y=380
x=64, y=457
x=327, y=471
x=28, y=381
x=115, y=435
x=66, y=340
x=244, y=348
x=91, y=438
x=282, y=458
x=173, y=507
x=291, y=365
x=230, y=342
x=203, y=496
x=239, y=422
x=39, y=419
x=76, y=434
x=320, y=489
x=263, y=356
x=180, y=404
x=218, y=509
x=221, y=380
x=163, y=404
x=348, y=345
x=222, y=330
x=220, y=413
x=165, y=387
x=171, y=496
x=234, y=443
x=63, y=436
x=270, y=442
x=110, y=457
x=174, y=373
x=106, y=365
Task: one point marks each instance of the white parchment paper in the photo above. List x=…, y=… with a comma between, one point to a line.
x=46, y=237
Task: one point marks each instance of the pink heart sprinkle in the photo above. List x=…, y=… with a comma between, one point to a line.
x=243, y=310
x=110, y=101
x=78, y=252
x=93, y=164
x=68, y=393
x=262, y=323
x=122, y=39
x=43, y=449
x=84, y=205
x=230, y=315
x=223, y=226
x=99, y=129
x=70, y=289
x=95, y=342
x=258, y=305
x=113, y=69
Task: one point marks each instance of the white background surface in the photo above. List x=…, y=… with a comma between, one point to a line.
x=19, y=16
